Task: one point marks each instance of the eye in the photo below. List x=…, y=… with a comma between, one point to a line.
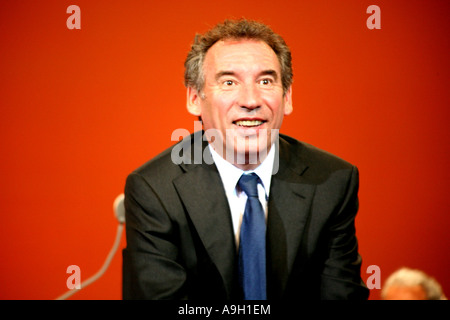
x=265, y=81
x=228, y=83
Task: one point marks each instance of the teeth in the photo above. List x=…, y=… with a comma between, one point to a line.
x=249, y=123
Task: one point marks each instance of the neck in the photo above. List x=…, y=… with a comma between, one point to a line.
x=244, y=161
x=249, y=161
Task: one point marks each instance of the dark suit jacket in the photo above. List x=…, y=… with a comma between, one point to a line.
x=180, y=239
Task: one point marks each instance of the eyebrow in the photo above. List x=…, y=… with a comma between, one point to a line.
x=220, y=74
x=268, y=72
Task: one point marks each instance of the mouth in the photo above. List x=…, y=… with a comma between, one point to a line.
x=249, y=123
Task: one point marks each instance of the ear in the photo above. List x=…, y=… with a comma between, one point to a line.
x=193, y=102
x=288, y=102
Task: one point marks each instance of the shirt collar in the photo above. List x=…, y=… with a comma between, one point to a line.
x=230, y=174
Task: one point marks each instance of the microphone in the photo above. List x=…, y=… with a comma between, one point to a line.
x=119, y=213
x=119, y=208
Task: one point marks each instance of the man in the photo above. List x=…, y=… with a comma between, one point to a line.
x=259, y=215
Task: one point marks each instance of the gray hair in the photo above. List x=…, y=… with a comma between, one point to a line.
x=235, y=29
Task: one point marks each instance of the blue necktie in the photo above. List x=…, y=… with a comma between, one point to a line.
x=252, y=244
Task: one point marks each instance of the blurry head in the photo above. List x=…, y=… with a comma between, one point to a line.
x=409, y=284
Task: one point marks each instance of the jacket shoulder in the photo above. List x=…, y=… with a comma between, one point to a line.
x=158, y=169
x=312, y=160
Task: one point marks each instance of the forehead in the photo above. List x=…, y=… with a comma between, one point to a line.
x=241, y=55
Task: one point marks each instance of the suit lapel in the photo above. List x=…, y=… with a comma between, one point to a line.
x=203, y=196
x=289, y=208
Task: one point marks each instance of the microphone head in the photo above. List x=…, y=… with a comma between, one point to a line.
x=119, y=208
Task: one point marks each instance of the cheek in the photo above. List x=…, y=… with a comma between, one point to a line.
x=221, y=106
x=276, y=107
x=214, y=112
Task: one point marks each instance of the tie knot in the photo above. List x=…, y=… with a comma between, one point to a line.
x=249, y=184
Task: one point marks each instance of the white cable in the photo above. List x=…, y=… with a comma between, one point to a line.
x=102, y=269
x=119, y=211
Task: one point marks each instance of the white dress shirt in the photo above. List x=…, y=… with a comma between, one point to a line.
x=237, y=198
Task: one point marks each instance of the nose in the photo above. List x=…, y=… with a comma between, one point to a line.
x=249, y=97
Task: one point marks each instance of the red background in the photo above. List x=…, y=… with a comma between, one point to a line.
x=80, y=109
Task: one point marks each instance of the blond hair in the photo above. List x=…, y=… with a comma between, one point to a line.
x=406, y=277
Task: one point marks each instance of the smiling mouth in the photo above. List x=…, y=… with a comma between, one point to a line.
x=249, y=123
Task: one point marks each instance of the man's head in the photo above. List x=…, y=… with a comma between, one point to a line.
x=410, y=284
x=235, y=30
x=239, y=78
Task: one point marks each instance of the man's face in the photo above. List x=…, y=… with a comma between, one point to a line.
x=242, y=97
